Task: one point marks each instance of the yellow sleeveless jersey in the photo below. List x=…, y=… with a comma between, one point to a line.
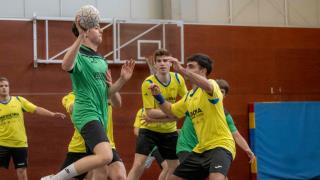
x=176, y=87
x=12, y=129
x=77, y=143
x=208, y=118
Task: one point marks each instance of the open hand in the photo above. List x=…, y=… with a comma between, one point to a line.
x=59, y=115
x=251, y=156
x=127, y=69
x=176, y=64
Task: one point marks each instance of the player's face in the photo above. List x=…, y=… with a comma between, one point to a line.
x=95, y=35
x=223, y=91
x=196, y=68
x=193, y=67
x=162, y=64
x=4, y=88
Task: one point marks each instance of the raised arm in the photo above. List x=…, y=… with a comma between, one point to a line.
x=116, y=100
x=194, y=78
x=125, y=75
x=70, y=56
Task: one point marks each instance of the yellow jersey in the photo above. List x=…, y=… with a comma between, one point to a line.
x=208, y=118
x=12, y=129
x=77, y=144
x=137, y=121
x=176, y=87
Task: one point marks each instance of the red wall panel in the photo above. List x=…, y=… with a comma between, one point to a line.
x=253, y=60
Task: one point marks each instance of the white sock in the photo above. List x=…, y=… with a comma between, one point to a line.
x=66, y=173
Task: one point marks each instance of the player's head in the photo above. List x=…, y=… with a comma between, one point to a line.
x=200, y=64
x=4, y=86
x=161, y=60
x=93, y=35
x=224, y=86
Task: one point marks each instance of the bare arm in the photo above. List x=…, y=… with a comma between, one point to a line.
x=150, y=62
x=243, y=145
x=194, y=78
x=116, y=100
x=136, y=131
x=44, y=112
x=156, y=114
x=125, y=75
x=148, y=119
x=69, y=57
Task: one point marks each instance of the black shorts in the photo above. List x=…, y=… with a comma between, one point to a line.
x=93, y=133
x=71, y=158
x=198, y=165
x=166, y=143
x=182, y=155
x=116, y=157
x=156, y=154
x=19, y=156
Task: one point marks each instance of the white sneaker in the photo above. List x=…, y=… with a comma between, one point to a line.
x=50, y=177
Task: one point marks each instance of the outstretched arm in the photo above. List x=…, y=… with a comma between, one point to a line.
x=44, y=112
x=194, y=78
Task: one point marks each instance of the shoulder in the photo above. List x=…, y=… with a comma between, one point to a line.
x=149, y=80
x=177, y=77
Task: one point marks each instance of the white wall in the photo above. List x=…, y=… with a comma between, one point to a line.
x=12, y=8
x=251, y=12
x=142, y=9
x=244, y=12
x=210, y=11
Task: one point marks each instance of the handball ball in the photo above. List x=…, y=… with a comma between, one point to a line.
x=88, y=17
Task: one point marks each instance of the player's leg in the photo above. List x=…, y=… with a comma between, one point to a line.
x=5, y=156
x=72, y=157
x=116, y=169
x=100, y=173
x=162, y=164
x=20, y=160
x=220, y=162
x=190, y=168
x=94, y=136
x=145, y=144
x=167, y=148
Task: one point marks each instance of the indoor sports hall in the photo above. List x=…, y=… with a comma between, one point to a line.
x=267, y=50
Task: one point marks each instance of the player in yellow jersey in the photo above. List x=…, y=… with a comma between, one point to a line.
x=216, y=148
x=13, y=137
x=163, y=134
